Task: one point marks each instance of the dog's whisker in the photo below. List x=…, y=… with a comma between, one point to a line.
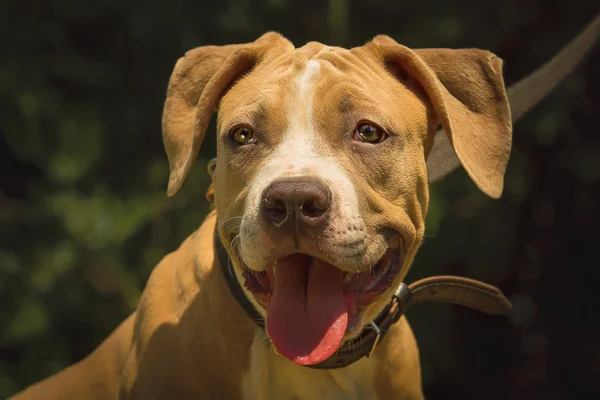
x=222, y=224
x=234, y=249
x=234, y=245
x=230, y=268
x=233, y=229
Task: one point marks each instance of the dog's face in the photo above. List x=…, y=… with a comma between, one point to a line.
x=321, y=184
x=318, y=168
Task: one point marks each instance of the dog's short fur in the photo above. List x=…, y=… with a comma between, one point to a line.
x=189, y=338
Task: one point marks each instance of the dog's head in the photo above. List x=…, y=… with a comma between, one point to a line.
x=321, y=185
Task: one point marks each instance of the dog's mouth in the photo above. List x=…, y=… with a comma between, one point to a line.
x=311, y=305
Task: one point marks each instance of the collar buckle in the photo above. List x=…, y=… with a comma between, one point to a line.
x=402, y=299
x=398, y=305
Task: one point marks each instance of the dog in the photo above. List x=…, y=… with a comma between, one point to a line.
x=293, y=287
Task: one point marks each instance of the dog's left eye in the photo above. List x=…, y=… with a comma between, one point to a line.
x=369, y=133
x=242, y=135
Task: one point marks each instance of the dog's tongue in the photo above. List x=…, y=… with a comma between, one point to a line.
x=307, y=315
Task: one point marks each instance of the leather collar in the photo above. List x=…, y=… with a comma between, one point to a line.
x=451, y=289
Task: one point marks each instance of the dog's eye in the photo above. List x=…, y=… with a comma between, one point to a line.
x=369, y=133
x=242, y=135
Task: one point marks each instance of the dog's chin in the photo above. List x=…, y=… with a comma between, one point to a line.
x=295, y=287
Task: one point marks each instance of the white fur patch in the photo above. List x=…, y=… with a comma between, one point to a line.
x=308, y=79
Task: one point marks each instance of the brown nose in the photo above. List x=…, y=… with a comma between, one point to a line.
x=297, y=199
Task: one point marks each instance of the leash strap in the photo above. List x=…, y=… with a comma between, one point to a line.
x=462, y=291
x=449, y=289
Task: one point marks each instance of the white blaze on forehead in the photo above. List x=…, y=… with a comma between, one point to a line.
x=307, y=80
x=300, y=108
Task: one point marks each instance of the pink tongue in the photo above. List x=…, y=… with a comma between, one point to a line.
x=307, y=315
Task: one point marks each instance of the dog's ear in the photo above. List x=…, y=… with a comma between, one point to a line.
x=466, y=90
x=197, y=83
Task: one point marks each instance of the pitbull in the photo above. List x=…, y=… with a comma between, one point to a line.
x=324, y=158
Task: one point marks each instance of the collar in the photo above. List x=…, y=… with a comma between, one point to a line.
x=450, y=289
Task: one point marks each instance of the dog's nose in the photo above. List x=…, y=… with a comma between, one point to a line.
x=302, y=199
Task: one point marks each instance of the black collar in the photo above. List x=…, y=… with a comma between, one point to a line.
x=450, y=289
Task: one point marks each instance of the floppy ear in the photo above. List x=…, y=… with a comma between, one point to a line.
x=466, y=90
x=197, y=83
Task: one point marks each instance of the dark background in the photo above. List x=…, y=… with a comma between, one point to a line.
x=84, y=215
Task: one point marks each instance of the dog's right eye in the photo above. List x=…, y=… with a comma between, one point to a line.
x=369, y=133
x=242, y=135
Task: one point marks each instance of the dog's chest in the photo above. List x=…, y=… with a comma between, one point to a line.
x=273, y=377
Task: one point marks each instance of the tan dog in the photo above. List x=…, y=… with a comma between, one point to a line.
x=321, y=191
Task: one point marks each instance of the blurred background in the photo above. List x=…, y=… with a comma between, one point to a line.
x=84, y=215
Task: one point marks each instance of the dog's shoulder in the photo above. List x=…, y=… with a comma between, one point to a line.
x=179, y=275
x=165, y=318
